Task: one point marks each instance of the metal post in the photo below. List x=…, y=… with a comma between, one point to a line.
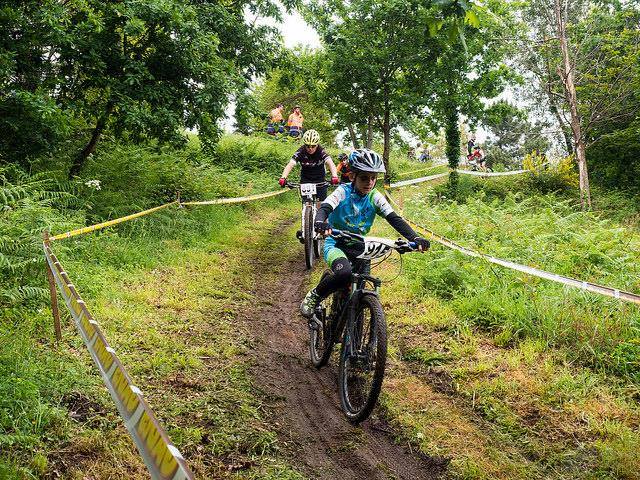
x=54, y=295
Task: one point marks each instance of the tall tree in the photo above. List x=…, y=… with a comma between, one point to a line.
x=469, y=69
x=566, y=73
x=585, y=57
x=376, y=50
x=143, y=70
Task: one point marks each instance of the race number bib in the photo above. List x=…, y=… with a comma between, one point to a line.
x=307, y=189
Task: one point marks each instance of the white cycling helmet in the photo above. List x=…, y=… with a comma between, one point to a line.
x=311, y=138
x=366, y=160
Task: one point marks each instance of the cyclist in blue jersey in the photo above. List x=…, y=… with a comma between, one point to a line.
x=353, y=207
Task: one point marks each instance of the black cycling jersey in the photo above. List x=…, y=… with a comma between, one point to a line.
x=311, y=165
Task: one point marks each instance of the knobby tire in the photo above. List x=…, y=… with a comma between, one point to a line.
x=356, y=398
x=308, y=236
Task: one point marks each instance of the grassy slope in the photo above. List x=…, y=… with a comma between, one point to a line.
x=502, y=402
x=166, y=299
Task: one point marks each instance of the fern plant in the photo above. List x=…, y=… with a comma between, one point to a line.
x=28, y=204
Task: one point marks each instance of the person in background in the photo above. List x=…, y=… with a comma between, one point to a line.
x=470, y=144
x=343, y=168
x=295, y=122
x=276, y=120
x=479, y=157
x=419, y=150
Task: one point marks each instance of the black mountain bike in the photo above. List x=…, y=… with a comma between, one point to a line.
x=354, y=317
x=311, y=240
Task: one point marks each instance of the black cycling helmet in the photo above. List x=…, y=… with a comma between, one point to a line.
x=365, y=160
x=342, y=156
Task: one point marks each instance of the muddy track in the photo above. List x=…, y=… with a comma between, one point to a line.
x=303, y=401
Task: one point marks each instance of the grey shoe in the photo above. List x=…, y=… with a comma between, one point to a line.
x=309, y=304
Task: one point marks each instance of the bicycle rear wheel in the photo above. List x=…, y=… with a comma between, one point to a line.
x=321, y=340
x=308, y=236
x=363, y=359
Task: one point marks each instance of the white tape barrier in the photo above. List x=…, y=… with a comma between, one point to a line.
x=413, y=181
x=162, y=458
x=492, y=174
x=404, y=183
x=571, y=282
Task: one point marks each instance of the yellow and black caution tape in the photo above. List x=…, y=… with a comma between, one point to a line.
x=220, y=201
x=163, y=459
x=99, y=226
x=109, y=223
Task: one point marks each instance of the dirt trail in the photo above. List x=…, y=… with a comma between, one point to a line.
x=304, y=402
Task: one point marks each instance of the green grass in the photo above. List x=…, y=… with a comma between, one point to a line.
x=167, y=301
x=508, y=375
x=545, y=232
x=41, y=384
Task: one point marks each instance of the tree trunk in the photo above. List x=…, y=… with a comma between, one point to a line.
x=353, y=136
x=370, y=131
x=553, y=104
x=386, y=130
x=566, y=133
x=452, y=136
x=81, y=158
x=566, y=73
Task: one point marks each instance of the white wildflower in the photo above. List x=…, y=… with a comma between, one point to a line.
x=95, y=184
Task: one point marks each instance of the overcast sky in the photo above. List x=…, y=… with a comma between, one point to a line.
x=297, y=32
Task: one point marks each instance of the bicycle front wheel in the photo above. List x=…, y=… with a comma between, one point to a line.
x=308, y=236
x=362, y=360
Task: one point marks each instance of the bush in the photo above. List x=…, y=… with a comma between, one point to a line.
x=254, y=154
x=28, y=206
x=549, y=176
x=614, y=159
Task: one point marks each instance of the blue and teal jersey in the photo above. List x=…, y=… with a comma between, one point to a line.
x=354, y=212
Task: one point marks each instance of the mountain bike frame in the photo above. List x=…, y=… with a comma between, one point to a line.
x=346, y=321
x=374, y=247
x=310, y=239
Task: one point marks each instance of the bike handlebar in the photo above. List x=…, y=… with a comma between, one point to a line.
x=401, y=244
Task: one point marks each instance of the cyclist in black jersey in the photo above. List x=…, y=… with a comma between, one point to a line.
x=312, y=159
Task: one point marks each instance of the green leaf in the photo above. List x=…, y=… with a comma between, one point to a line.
x=471, y=18
x=434, y=26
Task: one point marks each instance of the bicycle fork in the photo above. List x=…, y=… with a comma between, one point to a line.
x=353, y=349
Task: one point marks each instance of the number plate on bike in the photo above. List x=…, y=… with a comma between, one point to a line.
x=307, y=189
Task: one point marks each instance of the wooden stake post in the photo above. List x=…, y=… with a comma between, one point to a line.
x=54, y=294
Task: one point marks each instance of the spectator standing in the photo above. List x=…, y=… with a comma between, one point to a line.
x=276, y=120
x=295, y=122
